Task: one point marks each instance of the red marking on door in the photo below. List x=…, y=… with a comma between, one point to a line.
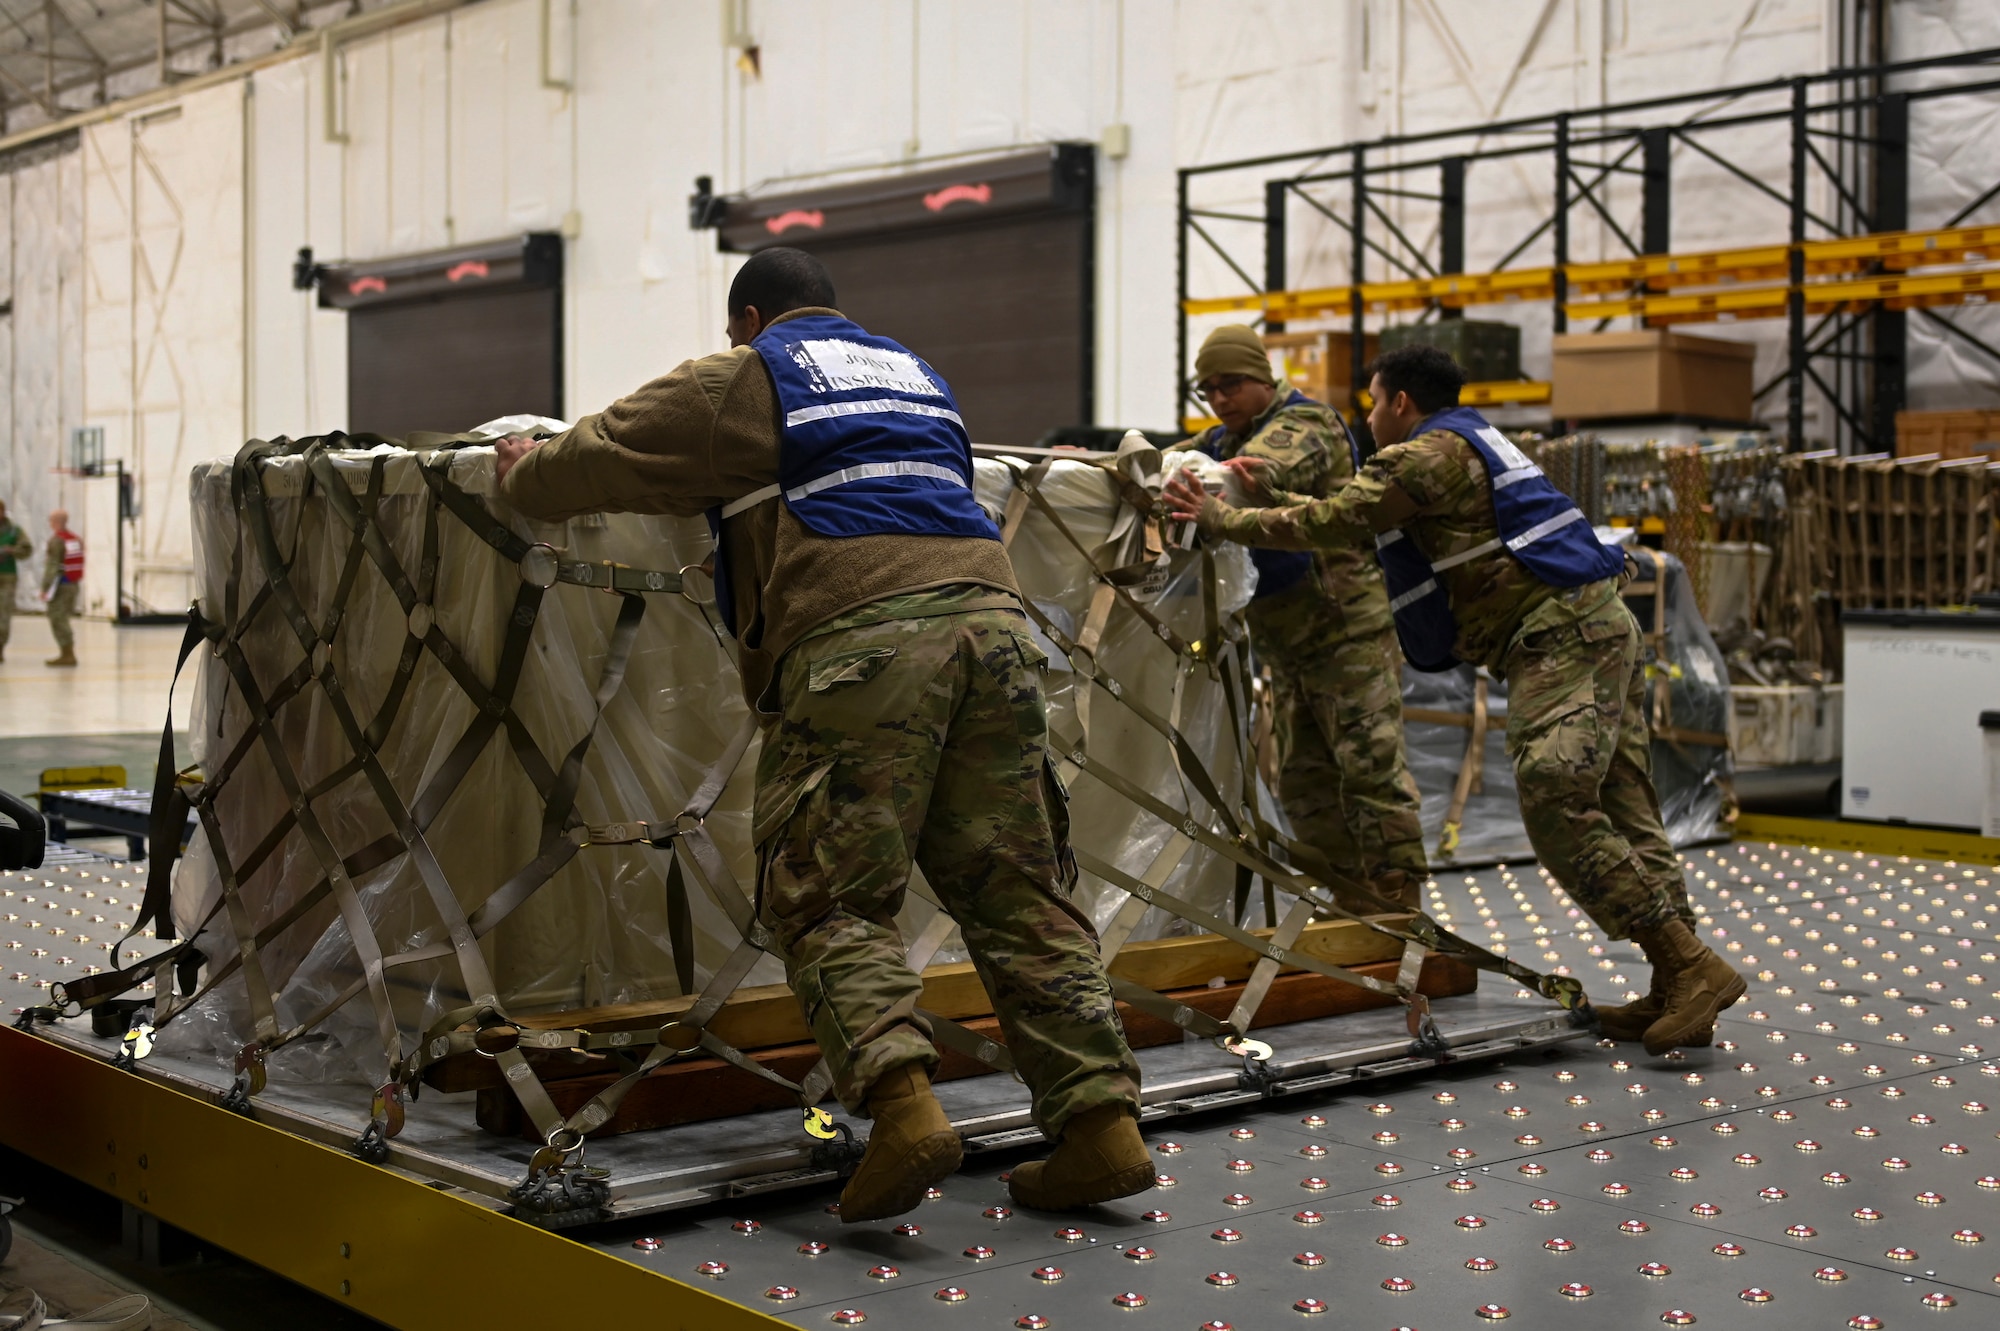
x=361, y=286
x=950, y=194
x=783, y=222
x=469, y=268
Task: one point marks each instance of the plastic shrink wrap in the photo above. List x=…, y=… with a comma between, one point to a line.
x=602, y=929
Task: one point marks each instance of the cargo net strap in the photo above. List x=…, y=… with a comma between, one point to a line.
x=1233, y=827
x=556, y=779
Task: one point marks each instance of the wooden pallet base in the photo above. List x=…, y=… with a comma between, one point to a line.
x=708, y=1088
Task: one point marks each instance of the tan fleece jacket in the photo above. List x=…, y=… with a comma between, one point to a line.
x=706, y=434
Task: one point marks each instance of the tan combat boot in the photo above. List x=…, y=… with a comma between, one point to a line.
x=67, y=657
x=1701, y=985
x=1628, y=1021
x=1400, y=887
x=1100, y=1157
x=911, y=1146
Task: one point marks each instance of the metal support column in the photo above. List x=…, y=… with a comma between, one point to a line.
x=1274, y=244
x=1180, y=296
x=1656, y=147
x=1451, y=224
x=1561, y=218
x=1795, y=303
x=1889, y=329
x=1356, y=323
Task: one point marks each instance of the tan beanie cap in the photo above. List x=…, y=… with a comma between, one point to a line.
x=1233, y=349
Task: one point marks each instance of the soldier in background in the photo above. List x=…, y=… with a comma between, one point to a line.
x=1320, y=623
x=881, y=630
x=62, y=578
x=14, y=544
x=1488, y=562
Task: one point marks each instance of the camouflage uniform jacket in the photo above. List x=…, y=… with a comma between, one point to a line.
x=1346, y=598
x=1434, y=487
x=705, y=434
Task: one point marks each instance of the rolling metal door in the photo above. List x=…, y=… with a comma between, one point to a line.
x=998, y=309
x=448, y=363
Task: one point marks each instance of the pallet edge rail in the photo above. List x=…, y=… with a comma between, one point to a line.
x=371, y=1237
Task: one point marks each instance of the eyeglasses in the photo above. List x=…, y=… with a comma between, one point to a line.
x=1227, y=385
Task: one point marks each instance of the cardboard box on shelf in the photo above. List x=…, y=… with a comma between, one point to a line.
x=1654, y=372
x=1319, y=363
x=1949, y=434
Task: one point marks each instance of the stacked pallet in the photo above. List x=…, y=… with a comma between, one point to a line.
x=1877, y=532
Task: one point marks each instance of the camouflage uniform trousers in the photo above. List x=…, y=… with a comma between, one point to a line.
x=1342, y=775
x=922, y=742
x=1581, y=748
x=62, y=605
x=9, y=582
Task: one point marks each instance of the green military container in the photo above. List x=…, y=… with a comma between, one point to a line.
x=1489, y=352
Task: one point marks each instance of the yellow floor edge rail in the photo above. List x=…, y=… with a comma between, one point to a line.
x=381, y=1242
x=1897, y=839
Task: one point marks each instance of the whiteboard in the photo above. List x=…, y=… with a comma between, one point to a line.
x=1914, y=752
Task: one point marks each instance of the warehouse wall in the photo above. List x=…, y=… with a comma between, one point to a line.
x=1952, y=162
x=1414, y=66
x=136, y=252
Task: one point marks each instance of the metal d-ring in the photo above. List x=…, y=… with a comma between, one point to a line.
x=690, y=586
x=539, y=565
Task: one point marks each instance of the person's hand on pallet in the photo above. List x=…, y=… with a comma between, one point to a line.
x=1186, y=498
x=509, y=451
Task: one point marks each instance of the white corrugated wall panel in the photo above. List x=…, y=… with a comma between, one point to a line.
x=45, y=381
x=164, y=319
x=645, y=291
x=1953, y=160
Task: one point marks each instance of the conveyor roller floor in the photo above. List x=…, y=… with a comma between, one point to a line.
x=1830, y=1161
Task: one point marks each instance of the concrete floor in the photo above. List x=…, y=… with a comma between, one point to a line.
x=107, y=711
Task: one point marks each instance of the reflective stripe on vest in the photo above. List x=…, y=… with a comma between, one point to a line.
x=871, y=443
x=1538, y=524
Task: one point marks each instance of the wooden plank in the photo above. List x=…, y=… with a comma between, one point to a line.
x=703, y=1089
x=768, y=1015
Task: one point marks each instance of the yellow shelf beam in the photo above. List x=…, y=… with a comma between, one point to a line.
x=1662, y=271
x=1500, y=393
x=1653, y=282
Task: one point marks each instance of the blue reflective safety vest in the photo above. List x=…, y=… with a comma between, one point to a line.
x=1277, y=570
x=870, y=442
x=1538, y=524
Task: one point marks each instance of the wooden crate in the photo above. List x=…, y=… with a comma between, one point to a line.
x=1319, y=363
x=1949, y=434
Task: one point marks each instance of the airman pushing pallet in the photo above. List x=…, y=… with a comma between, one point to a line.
x=1487, y=562
x=880, y=628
